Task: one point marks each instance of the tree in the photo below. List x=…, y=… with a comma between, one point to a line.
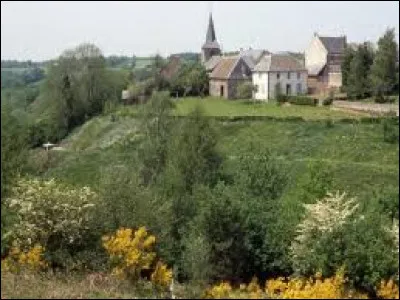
x=358, y=80
x=348, y=57
x=383, y=70
x=79, y=85
x=157, y=127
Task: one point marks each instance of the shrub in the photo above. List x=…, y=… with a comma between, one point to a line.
x=312, y=288
x=390, y=131
x=18, y=259
x=245, y=90
x=49, y=213
x=302, y=100
x=388, y=290
x=281, y=98
x=130, y=252
x=321, y=219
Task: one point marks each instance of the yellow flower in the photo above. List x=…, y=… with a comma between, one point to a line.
x=161, y=276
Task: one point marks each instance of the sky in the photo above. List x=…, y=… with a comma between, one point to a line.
x=43, y=30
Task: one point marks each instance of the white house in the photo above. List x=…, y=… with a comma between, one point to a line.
x=281, y=70
x=323, y=59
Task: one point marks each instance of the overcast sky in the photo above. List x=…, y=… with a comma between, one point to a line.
x=42, y=30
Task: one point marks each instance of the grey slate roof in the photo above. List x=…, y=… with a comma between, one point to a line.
x=334, y=44
x=279, y=62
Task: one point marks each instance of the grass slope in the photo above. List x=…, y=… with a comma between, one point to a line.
x=359, y=159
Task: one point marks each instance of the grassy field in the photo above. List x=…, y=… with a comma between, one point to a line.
x=218, y=107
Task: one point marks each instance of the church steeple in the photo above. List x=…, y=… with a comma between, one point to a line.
x=211, y=46
x=210, y=37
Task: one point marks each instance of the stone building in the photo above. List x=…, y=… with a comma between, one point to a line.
x=279, y=69
x=228, y=74
x=323, y=59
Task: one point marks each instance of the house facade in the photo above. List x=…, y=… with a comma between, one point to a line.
x=229, y=73
x=323, y=59
x=279, y=71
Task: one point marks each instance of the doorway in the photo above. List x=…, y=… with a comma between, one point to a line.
x=288, y=89
x=221, y=91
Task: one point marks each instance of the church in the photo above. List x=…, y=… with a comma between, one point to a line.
x=257, y=67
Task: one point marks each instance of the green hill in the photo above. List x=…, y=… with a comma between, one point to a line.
x=359, y=159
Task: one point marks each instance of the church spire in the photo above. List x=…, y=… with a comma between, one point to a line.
x=210, y=37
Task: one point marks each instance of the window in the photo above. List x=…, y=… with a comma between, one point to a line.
x=277, y=75
x=298, y=75
x=288, y=75
x=298, y=88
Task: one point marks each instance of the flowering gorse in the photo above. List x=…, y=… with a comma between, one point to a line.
x=133, y=251
x=388, y=290
x=161, y=276
x=31, y=259
x=48, y=208
x=311, y=288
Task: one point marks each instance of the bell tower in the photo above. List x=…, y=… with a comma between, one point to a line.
x=211, y=46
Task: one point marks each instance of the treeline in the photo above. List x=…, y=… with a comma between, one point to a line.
x=367, y=71
x=12, y=79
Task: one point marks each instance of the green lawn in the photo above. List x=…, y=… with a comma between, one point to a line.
x=218, y=107
x=233, y=108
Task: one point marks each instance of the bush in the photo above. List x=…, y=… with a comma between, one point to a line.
x=51, y=214
x=280, y=99
x=332, y=235
x=390, y=131
x=302, y=100
x=245, y=90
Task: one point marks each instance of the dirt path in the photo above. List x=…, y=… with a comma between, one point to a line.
x=371, y=108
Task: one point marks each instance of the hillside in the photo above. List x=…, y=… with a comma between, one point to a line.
x=355, y=152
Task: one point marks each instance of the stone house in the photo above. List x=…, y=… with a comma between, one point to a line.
x=281, y=70
x=228, y=74
x=323, y=59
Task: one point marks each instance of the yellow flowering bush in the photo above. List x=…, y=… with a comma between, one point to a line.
x=220, y=291
x=224, y=290
x=312, y=288
x=46, y=208
x=388, y=290
x=130, y=252
x=31, y=259
x=161, y=276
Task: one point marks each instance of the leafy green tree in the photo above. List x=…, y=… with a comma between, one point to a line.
x=358, y=81
x=13, y=157
x=157, y=128
x=383, y=70
x=192, y=153
x=77, y=87
x=191, y=80
x=348, y=57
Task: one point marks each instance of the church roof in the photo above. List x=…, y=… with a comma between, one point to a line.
x=211, y=38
